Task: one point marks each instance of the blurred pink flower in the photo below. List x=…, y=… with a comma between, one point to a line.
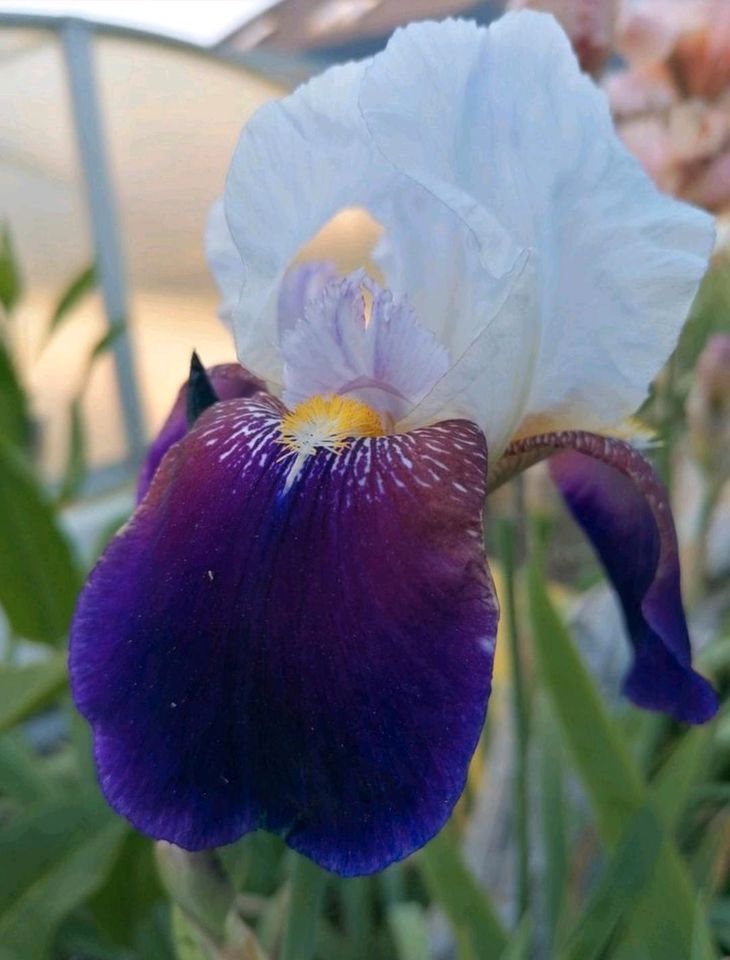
x=672, y=101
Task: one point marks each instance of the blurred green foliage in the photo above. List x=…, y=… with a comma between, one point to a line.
x=629, y=821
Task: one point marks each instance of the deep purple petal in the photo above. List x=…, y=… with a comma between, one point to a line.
x=229, y=380
x=314, y=661
x=616, y=496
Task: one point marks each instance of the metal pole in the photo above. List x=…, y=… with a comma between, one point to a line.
x=77, y=46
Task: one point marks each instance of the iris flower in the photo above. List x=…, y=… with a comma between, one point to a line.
x=296, y=630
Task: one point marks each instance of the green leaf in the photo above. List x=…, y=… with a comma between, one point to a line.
x=615, y=896
x=255, y=863
x=23, y=776
x=81, y=285
x=240, y=942
x=673, y=784
x=459, y=895
x=552, y=802
x=720, y=920
x=520, y=945
x=272, y=921
x=195, y=880
x=601, y=758
x=357, y=910
x=60, y=854
x=23, y=690
x=75, y=470
x=105, y=342
x=664, y=919
x=129, y=893
x=186, y=937
x=38, y=577
x=702, y=948
x=306, y=892
x=407, y=922
x=153, y=936
x=15, y=422
x=710, y=314
x=11, y=284
x=102, y=345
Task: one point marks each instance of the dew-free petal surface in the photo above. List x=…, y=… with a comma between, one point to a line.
x=504, y=129
x=314, y=661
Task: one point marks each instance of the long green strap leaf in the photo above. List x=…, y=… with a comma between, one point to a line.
x=409, y=929
x=461, y=898
x=11, y=281
x=672, y=786
x=60, y=854
x=24, y=778
x=614, y=897
x=78, y=288
x=664, y=919
x=520, y=945
x=553, y=813
x=38, y=577
x=23, y=690
x=15, y=423
x=307, y=888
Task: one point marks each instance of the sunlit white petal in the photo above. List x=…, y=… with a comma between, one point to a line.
x=302, y=160
x=224, y=261
x=504, y=119
x=522, y=232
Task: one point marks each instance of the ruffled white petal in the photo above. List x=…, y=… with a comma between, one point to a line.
x=527, y=239
x=298, y=162
x=303, y=159
x=503, y=120
x=224, y=261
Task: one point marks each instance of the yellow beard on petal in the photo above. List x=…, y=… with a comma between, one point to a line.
x=325, y=423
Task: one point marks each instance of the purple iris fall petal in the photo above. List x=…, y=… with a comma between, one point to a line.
x=313, y=659
x=617, y=498
x=229, y=380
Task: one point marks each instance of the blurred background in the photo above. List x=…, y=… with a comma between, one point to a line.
x=117, y=124
x=140, y=105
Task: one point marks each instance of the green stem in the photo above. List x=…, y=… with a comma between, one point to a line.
x=667, y=420
x=356, y=903
x=506, y=537
x=392, y=883
x=307, y=886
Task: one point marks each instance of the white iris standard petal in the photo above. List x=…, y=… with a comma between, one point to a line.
x=298, y=162
x=305, y=158
x=504, y=120
x=224, y=261
x=528, y=241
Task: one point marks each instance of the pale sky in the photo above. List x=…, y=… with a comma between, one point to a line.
x=200, y=21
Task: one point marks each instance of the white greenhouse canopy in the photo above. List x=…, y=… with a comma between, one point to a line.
x=170, y=116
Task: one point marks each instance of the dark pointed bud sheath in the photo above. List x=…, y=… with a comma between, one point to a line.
x=201, y=394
